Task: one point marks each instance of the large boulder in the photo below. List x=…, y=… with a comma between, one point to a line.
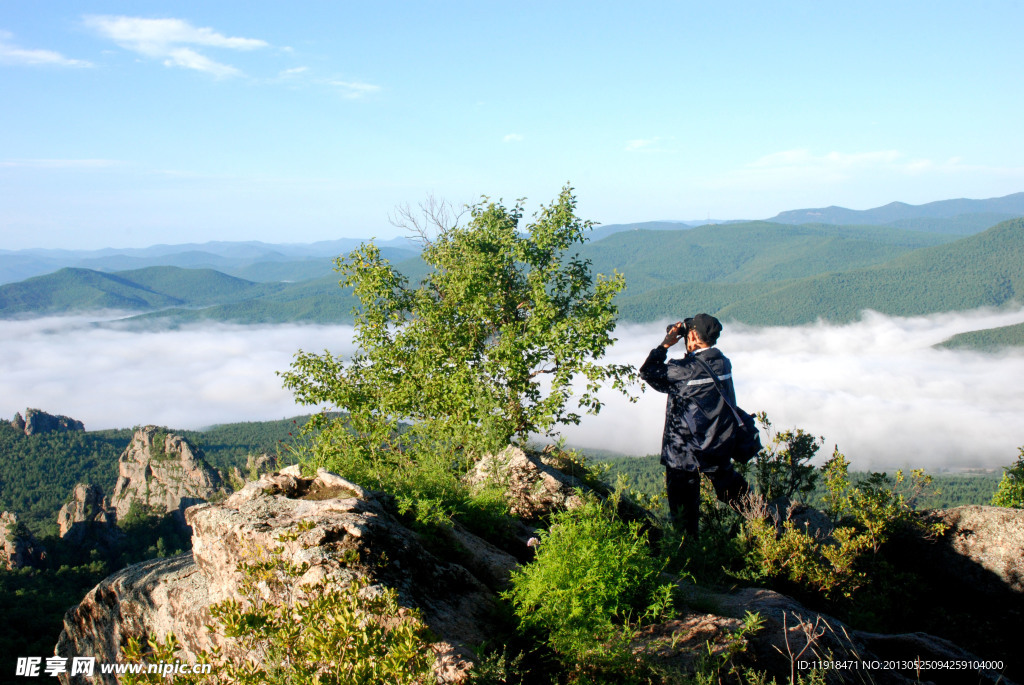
x=983, y=546
x=18, y=547
x=535, y=485
x=341, y=531
x=539, y=484
x=162, y=473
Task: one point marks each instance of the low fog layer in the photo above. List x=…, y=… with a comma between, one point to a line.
x=192, y=377
x=875, y=387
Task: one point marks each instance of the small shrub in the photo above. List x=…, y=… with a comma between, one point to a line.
x=838, y=565
x=1011, y=487
x=593, y=579
x=819, y=566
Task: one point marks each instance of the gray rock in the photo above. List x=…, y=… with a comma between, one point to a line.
x=18, y=547
x=163, y=474
x=982, y=545
x=533, y=487
x=37, y=422
x=88, y=518
x=348, y=535
x=791, y=633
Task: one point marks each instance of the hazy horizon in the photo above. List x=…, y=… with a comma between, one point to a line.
x=875, y=387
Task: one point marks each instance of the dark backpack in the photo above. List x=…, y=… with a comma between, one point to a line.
x=746, y=440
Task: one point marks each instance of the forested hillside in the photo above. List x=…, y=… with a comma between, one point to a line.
x=989, y=339
x=157, y=287
x=981, y=270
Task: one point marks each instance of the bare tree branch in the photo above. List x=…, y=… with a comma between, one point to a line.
x=540, y=371
x=433, y=215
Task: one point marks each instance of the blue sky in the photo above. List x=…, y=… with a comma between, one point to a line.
x=127, y=124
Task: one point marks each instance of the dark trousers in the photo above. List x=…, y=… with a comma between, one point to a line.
x=683, y=488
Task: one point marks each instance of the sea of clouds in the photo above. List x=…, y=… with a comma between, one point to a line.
x=876, y=388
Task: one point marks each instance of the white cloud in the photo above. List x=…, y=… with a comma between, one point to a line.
x=11, y=54
x=641, y=144
x=513, y=138
x=354, y=89
x=875, y=387
x=168, y=41
x=186, y=378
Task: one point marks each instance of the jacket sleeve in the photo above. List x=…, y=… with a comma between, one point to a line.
x=654, y=370
x=665, y=377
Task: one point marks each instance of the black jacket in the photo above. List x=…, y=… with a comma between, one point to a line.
x=698, y=422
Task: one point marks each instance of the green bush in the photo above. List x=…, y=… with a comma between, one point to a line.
x=838, y=565
x=1011, y=487
x=592, y=581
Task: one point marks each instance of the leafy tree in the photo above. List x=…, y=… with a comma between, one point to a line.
x=483, y=351
x=1011, y=487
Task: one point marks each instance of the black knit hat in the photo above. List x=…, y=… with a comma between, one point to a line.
x=707, y=327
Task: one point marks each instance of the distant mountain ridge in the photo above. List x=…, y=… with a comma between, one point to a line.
x=756, y=272
x=983, y=270
x=1002, y=208
x=247, y=249
x=249, y=260
x=290, y=262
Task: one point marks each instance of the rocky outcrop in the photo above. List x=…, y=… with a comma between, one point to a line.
x=341, y=531
x=37, y=422
x=255, y=466
x=161, y=473
x=534, y=484
x=538, y=484
x=984, y=546
x=88, y=518
x=18, y=547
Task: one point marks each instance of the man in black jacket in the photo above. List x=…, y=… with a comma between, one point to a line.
x=698, y=423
